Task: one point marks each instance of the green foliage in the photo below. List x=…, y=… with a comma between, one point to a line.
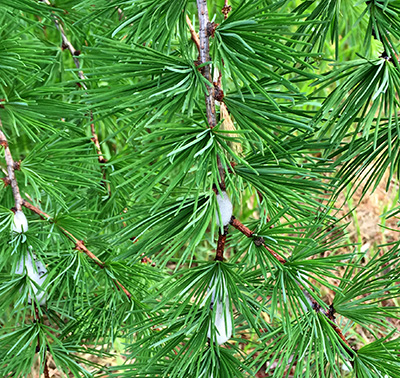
x=128, y=229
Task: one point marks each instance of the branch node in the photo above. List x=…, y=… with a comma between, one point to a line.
x=331, y=313
x=232, y=166
x=79, y=245
x=259, y=241
x=17, y=165
x=225, y=10
x=218, y=93
x=147, y=260
x=6, y=181
x=316, y=306
x=388, y=58
x=3, y=143
x=211, y=26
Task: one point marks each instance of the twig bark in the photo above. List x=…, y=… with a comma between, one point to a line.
x=219, y=256
x=79, y=244
x=11, y=170
x=195, y=37
x=221, y=171
x=228, y=125
x=258, y=240
x=96, y=142
x=204, y=58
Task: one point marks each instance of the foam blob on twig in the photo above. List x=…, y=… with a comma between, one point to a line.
x=36, y=271
x=20, y=223
x=223, y=317
x=225, y=209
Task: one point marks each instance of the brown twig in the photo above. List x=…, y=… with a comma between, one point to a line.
x=95, y=140
x=221, y=171
x=66, y=43
x=260, y=241
x=195, y=37
x=10, y=170
x=6, y=181
x=79, y=244
x=37, y=317
x=35, y=209
x=338, y=331
x=204, y=58
x=219, y=256
x=257, y=240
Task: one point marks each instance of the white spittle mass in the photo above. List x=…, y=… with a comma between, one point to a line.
x=223, y=317
x=36, y=271
x=225, y=209
x=20, y=223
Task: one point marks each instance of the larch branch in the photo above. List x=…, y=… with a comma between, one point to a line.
x=67, y=44
x=79, y=244
x=260, y=241
x=10, y=170
x=205, y=58
x=75, y=53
